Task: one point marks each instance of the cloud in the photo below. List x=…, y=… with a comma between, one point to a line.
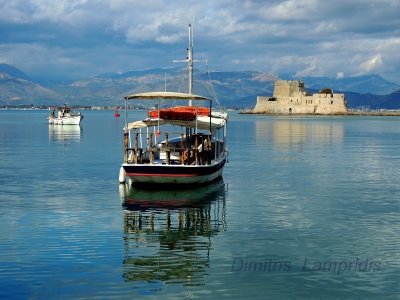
x=372, y=63
x=31, y=12
x=311, y=37
x=339, y=75
x=311, y=70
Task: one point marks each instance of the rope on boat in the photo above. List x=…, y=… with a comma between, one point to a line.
x=212, y=91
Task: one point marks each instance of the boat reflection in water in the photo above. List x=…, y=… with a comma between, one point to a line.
x=168, y=234
x=63, y=134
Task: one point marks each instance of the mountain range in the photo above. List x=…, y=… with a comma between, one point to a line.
x=237, y=89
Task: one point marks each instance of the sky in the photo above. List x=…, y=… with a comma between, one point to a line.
x=70, y=39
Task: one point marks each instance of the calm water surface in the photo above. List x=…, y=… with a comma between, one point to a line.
x=308, y=208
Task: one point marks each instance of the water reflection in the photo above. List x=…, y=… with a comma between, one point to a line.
x=64, y=133
x=293, y=134
x=168, y=234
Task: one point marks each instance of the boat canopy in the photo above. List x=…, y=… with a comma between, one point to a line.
x=203, y=123
x=166, y=95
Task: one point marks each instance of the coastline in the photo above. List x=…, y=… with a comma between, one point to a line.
x=386, y=113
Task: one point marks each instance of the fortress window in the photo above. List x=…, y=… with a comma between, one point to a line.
x=332, y=102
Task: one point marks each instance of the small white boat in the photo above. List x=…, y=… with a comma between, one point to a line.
x=175, y=145
x=64, y=116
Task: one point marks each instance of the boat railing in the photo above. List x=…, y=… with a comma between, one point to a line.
x=199, y=149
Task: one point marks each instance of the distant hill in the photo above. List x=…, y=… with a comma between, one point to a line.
x=233, y=89
x=17, y=91
x=137, y=73
x=366, y=84
x=356, y=100
x=13, y=72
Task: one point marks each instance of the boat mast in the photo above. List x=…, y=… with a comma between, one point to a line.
x=190, y=61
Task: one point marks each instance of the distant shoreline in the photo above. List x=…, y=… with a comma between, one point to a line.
x=74, y=107
x=378, y=113
x=383, y=113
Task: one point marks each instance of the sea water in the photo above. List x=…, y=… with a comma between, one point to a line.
x=308, y=208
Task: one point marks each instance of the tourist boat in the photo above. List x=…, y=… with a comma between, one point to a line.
x=183, y=145
x=64, y=116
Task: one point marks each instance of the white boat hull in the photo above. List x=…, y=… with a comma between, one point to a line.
x=73, y=120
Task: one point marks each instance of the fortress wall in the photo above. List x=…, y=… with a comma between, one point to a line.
x=330, y=103
x=300, y=104
x=265, y=106
x=282, y=106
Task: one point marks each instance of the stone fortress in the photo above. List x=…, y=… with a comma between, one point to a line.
x=290, y=98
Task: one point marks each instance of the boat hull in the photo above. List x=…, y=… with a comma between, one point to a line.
x=140, y=174
x=75, y=120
